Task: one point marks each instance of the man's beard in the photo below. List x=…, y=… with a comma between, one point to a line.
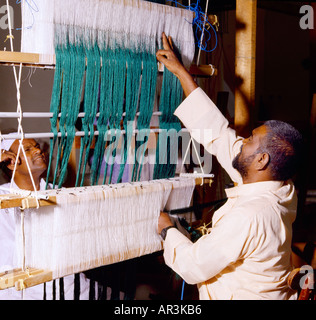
x=242, y=165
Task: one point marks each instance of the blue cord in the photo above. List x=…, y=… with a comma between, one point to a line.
x=33, y=8
x=182, y=291
x=198, y=21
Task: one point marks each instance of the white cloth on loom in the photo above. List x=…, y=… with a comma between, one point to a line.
x=99, y=225
x=8, y=261
x=247, y=254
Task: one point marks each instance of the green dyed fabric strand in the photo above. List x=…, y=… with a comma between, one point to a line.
x=118, y=104
x=146, y=105
x=133, y=76
x=54, y=106
x=75, y=86
x=66, y=64
x=106, y=84
x=91, y=94
x=166, y=152
x=72, y=66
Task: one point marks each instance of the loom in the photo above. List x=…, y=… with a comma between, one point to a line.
x=103, y=53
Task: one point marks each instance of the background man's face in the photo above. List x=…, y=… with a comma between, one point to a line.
x=35, y=157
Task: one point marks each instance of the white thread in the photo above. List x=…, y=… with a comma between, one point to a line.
x=202, y=175
x=19, y=109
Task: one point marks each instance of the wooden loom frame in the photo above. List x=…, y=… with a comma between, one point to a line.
x=18, y=278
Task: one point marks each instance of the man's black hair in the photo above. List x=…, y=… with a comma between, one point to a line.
x=284, y=144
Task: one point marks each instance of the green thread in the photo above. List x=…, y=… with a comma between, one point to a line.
x=90, y=107
x=146, y=104
x=126, y=82
x=166, y=153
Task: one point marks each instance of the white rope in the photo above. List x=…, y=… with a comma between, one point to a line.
x=202, y=35
x=20, y=131
x=19, y=109
x=201, y=175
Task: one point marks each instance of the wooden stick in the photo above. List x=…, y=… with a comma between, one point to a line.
x=49, y=61
x=33, y=279
x=10, y=278
x=14, y=200
x=31, y=59
x=203, y=70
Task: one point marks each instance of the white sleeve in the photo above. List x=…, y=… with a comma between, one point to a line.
x=200, y=261
x=210, y=128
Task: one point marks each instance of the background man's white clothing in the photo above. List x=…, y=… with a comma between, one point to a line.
x=8, y=261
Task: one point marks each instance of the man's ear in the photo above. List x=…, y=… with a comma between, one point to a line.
x=262, y=161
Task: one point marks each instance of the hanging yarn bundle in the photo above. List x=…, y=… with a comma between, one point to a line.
x=105, y=55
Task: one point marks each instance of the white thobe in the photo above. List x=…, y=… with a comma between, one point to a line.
x=247, y=254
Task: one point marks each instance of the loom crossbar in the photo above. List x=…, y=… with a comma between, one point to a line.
x=14, y=200
x=23, y=279
x=48, y=62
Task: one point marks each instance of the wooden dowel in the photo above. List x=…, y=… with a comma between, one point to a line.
x=33, y=59
x=48, y=61
x=13, y=200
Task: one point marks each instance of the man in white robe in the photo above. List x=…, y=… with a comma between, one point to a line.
x=247, y=254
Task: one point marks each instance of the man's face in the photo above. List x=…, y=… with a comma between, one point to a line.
x=35, y=157
x=248, y=151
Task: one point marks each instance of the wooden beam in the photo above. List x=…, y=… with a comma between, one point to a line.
x=245, y=64
x=27, y=59
x=23, y=279
x=203, y=70
x=14, y=200
x=48, y=61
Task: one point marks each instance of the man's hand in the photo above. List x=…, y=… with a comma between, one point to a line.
x=169, y=58
x=8, y=156
x=164, y=221
x=172, y=63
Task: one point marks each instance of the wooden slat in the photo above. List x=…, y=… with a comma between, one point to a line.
x=35, y=278
x=19, y=278
x=203, y=70
x=48, y=61
x=13, y=200
x=33, y=59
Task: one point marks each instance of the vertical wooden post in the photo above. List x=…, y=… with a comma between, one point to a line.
x=245, y=63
